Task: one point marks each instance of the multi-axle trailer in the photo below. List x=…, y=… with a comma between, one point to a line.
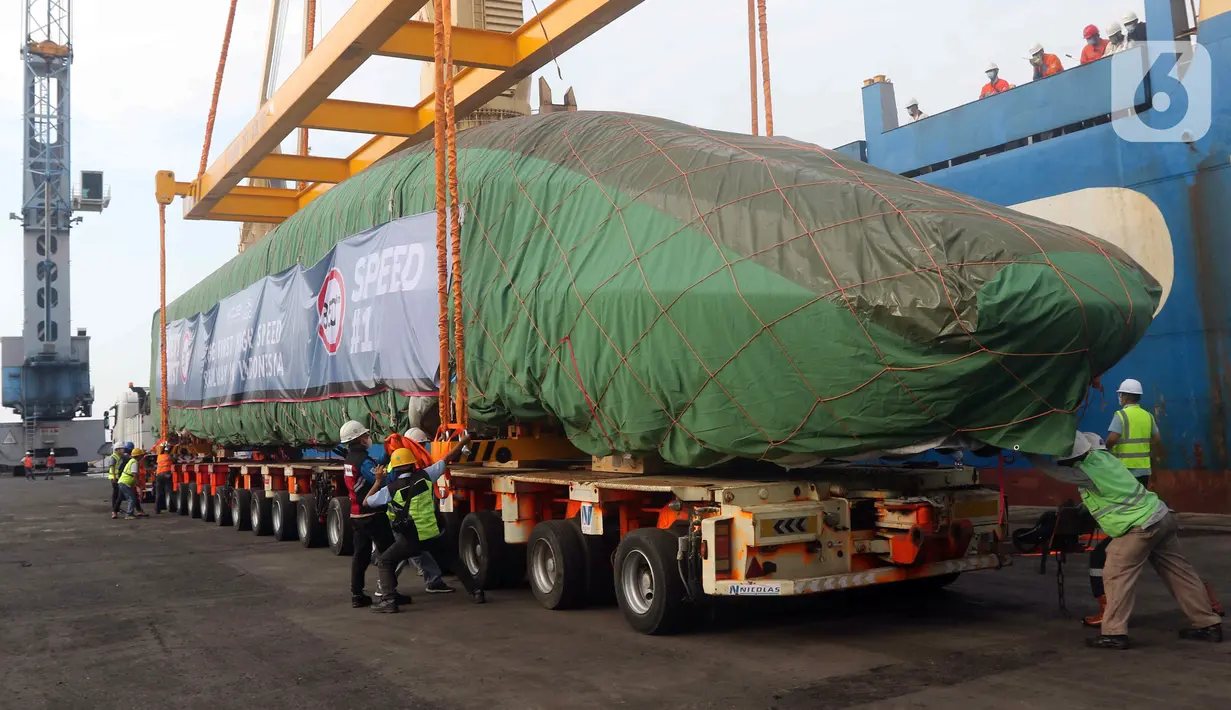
x=660, y=544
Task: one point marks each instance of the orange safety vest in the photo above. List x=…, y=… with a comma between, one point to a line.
x=998, y=87
x=1093, y=52
x=28, y=462
x=1051, y=65
x=164, y=463
x=396, y=441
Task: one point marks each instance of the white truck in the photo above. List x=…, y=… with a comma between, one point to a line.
x=129, y=418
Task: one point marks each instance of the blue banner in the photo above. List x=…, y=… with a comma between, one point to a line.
x=361, y=320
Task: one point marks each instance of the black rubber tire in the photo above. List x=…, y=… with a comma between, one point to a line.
x=664, y=609
x=184, y=495
x=241, y=509
x=195, y=502
x=282, y=515
x=451, y=524
x=600, y=575
x=207, y=504
x=556, y=564
x=173, y=500
x=260, y=514
x=308, y=525
x=338, y=527
x=222, y=508
x=482, y=549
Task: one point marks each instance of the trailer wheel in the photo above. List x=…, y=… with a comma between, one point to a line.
x=337, y=526
x=207, y=504
x=241, y=509
x=482, y=548
x=283, y=514
x=450, y=525
x=648, y=585
x=261, y=513
x=556, y=564
x=599, y=550
x=196, y=502
x=185, y=499
x=222, y=508
x=308, y=523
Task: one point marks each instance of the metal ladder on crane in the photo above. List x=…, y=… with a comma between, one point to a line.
x=31, y=434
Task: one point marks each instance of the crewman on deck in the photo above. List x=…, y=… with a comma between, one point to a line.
x=1142, y=529
x=1095, y=45
x=1116, y=40
x=1130, y=435
x=128, y=483
x=28, y=464
x=162, y=477
x=49, y=465
x=411, y=509
x=1133, y=27
x=912, y=108
x=1044, y=64
x=994, y=85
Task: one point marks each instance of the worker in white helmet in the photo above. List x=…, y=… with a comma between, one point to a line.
x=994, y=85
x=1044, y=64
x=370, y=526
x=1134, y=29
x=1131, y=434
x=912, y=108
x=1141, y=529
x=1116, y=40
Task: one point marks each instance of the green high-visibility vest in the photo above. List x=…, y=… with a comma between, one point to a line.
x=1117, y=500
x=1136, y=432
x=114, y=472
x=410, y=499
x=129, y=476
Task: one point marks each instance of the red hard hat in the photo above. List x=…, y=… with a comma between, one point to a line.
x=1090, y=31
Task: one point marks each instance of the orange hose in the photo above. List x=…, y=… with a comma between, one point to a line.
x=769, y=104
x=455, y=223
x=752, y=63
x=163, y=406
x=213, y=103
x=442, y=267
x=309, y=41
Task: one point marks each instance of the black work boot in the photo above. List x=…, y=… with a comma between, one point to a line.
x=478, y=597
x=385, y=605
x=358, y=601
x=402, y=598
x=1114, y=643
x=1210, y=634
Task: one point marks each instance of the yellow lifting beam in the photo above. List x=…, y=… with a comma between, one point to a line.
x=471, y=48
x=496, y=61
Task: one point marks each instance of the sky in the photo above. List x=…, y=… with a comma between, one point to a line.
x=142, y=79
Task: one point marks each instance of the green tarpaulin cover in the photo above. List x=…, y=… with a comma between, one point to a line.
x=660, y=287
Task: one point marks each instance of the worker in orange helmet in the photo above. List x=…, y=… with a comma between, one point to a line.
x=1044, y=64
x=995, y=85
x=1095, y=47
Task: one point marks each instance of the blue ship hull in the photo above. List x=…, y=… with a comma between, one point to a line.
x=1055, y=148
